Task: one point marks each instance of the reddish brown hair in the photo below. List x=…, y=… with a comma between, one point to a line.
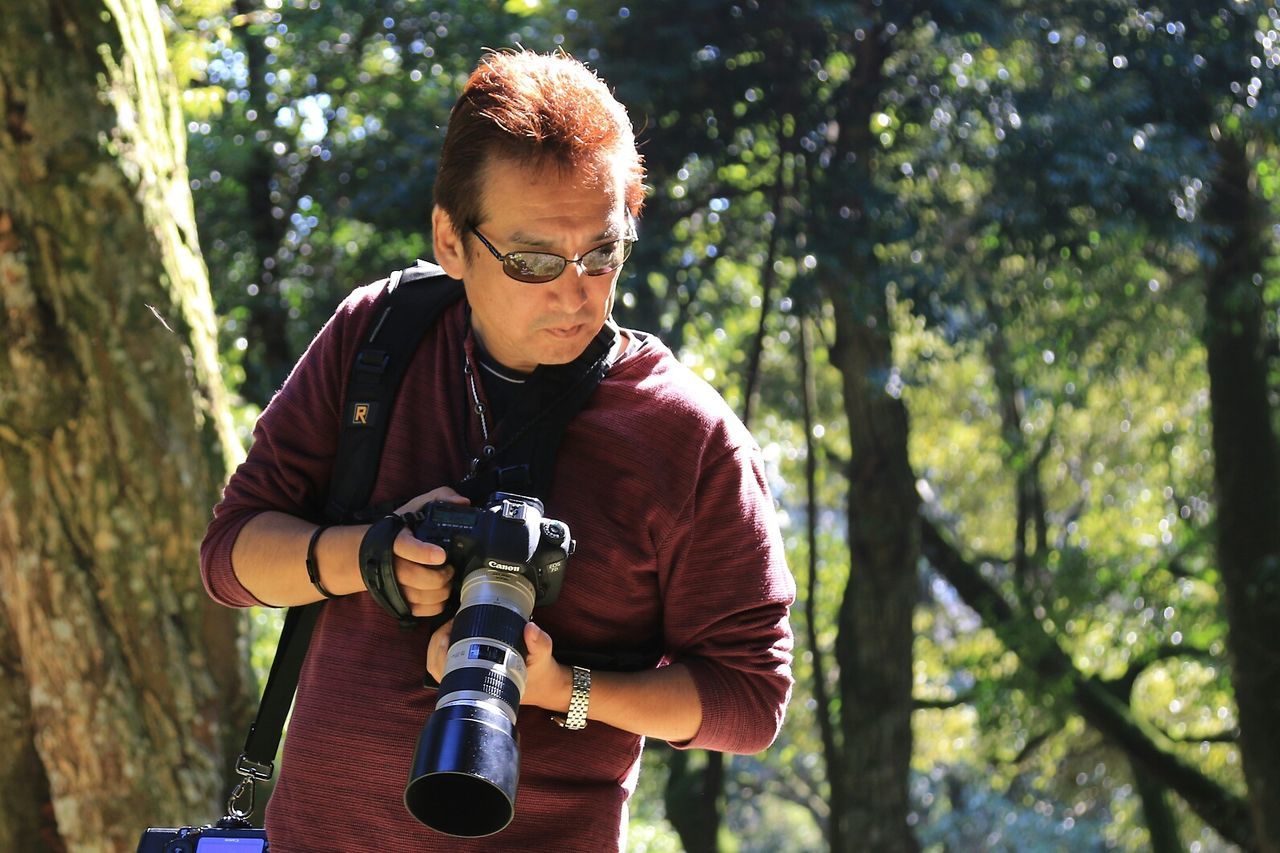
x=535, y=109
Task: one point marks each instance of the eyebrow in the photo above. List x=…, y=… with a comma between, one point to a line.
x=614, y=231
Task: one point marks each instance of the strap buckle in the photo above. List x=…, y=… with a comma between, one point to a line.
x=240, y=803
x=373, y=361
x=250, y=769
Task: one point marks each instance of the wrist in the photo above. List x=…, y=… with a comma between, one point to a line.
x=579, y=700
x=337, y=556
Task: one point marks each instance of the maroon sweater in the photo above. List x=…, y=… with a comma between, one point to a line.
x=678, y=549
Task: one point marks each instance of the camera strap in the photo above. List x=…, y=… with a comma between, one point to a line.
x=524, y=459
x=378, y=569
x=257, y=759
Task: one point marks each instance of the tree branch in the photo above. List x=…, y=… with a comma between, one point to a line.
x=822, y=699
x=1227, y=813
x=922, y=704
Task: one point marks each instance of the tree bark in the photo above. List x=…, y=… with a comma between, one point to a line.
x=1247, y=475
x=875, y=633
x=694, y=798
x=125, y=692
x=26, y=820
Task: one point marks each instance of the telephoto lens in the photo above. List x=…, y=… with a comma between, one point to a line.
x=467, y=763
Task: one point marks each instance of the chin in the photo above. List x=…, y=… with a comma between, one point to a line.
x=565, y=350
x=561, y=356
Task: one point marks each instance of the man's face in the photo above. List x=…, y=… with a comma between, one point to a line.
x=536, y=209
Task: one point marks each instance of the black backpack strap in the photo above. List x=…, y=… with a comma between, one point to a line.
x=412, y=302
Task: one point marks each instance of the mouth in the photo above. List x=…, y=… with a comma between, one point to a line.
x=565, y=331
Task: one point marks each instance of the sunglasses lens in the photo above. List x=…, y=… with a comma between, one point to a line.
x=606, y=258
x=542, y=267
x=533, y=267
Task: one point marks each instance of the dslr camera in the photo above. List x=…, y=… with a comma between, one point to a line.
x=510, y=558
x=228, y=835
x=508, y=535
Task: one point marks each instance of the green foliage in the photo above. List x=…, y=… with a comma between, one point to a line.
x=1033, y=210
x=313, y=135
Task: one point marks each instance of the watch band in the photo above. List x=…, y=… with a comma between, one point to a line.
x=579, y=699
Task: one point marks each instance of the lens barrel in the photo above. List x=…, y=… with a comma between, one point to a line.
x=467, y=762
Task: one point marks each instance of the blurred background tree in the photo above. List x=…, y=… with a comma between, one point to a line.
x=995, y=216
x=124, y=691
x=995, y=286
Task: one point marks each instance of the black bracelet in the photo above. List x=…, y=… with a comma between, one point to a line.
x=313, y=569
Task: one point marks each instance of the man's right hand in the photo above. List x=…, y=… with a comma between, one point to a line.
x=421, y=572
x=269, y=559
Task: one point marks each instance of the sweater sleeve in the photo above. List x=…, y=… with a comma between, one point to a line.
x=726, y=604
x=289, y=463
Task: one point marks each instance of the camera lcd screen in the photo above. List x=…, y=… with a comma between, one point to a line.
x=231, y=845
x=463, y=517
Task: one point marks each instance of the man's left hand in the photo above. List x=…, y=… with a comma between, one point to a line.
x=549, y=682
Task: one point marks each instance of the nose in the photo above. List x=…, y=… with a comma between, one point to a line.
x=570, y=289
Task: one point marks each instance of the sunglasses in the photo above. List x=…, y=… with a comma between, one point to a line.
x=542, y=267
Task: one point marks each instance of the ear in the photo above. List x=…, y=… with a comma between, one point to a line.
x=446, y=243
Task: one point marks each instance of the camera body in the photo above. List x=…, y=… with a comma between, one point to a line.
x=223, y=837
x=508, y=534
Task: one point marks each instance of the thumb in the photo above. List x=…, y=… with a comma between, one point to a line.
x=537, y=641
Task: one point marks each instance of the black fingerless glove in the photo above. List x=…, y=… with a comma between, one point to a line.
x=378, y=568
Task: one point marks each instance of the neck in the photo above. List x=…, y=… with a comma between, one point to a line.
x=493, y=367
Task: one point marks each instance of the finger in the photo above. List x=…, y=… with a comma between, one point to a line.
x=415, y=550
x=438, y=650
x=442, y=493
x=434, y=598
x=413, y=576
x=426, y=590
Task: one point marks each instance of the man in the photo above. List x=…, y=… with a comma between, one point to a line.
x=662, y=487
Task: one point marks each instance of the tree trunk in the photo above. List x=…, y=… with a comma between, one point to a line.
x=875, y=634
x=874, y=643
x=1247, y=475
x=1157, y=812
x=694, y=798
x=268, y=328
x=123, y=691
